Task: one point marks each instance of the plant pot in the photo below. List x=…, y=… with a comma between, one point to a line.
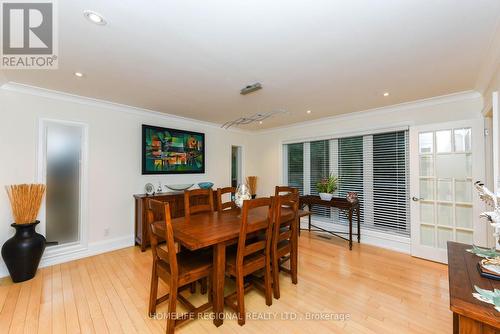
x=326, y=196
x=22, y=252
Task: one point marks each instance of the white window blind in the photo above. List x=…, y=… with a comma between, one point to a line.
x=375, y=166
x=319, y=167
x=350, y=160
x=391, y=181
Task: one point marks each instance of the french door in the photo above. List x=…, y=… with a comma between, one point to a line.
x=445, y=160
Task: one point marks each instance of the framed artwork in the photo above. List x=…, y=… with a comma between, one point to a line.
x=172, y=151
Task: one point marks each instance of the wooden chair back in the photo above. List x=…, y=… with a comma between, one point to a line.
x=247, y=247
x=281, y=190
x=221, y=206
x=160, y=212
x=204, y=195
x=285, y=227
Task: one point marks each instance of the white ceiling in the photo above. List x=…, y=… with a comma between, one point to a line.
x=191, y=58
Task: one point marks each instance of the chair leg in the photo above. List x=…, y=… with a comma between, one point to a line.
x=204, y=285
x=192, y=287
x=210, y=289
x=268, y=282
x=172, y=304
x=153, y=292
x=294, y=260
x=276, y=276
x=240, y=294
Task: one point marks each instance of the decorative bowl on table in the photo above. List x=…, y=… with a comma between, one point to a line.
x=205, y=185
x=179, y=187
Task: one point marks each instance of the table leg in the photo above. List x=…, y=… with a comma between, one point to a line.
x=310, y=210
x=294, y=255
x=359, y=224
x=219, y=268
x=350, y=229
x=455, y=323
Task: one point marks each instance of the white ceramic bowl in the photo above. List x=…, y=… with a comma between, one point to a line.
x=179, y=187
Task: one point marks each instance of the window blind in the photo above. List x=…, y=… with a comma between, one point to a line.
x=391, y=181
x=350, y=160
x=319, y=169
x=375, y=166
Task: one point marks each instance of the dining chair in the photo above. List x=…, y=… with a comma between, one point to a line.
x=251, y=255
x=221, y=206
x=284, y=190
x=284, y=241
x=178, y=270
x=192, y=199
x=281, y=190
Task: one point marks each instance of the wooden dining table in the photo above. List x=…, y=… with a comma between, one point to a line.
x=216, y=230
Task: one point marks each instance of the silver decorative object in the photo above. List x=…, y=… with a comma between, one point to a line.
x=242, y=194
x=259, y=117
x=492, y=199
x=149, y=189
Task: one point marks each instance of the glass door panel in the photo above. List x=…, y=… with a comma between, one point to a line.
x=442, y=202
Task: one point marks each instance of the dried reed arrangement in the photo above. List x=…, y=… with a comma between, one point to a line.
x=25, y=200
x=252, y=184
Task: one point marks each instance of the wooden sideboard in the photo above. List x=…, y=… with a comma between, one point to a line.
x=469, y=314
x=176, y=201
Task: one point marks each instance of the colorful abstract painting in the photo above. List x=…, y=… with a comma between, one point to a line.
x=171, y=151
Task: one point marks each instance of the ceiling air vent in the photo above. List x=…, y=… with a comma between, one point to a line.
x=250, y=88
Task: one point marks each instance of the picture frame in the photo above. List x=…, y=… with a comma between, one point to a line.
x=172, y=151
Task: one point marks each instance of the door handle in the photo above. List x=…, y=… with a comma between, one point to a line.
x=416, y=199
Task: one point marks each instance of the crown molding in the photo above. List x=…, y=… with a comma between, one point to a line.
x=491, y=64
x=432, y=101
x=97, y=103
x=62, y=96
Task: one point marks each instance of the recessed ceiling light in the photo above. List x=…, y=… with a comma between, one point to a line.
x=79, y=74
x=94, y=17
x=309, y=111
x=386, y=94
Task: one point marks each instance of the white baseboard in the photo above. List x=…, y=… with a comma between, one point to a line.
x=93, y=248
x=375, y=238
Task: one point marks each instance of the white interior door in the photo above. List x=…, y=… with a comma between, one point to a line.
x=445, y=160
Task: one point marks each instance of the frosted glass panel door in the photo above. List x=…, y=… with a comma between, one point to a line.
x=63, y=156
x=445, y=160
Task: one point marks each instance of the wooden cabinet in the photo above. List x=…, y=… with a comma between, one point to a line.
x=176, y=201
x=470, y=315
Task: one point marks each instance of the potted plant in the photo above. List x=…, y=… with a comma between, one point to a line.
x=326, y=187
x=22, y=252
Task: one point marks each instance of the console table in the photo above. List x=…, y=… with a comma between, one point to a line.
x=336, y=202
x=469, y=314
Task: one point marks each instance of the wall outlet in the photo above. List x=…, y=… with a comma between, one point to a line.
x=106, y=231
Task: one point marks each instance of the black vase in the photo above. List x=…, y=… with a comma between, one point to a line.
x=22, y=252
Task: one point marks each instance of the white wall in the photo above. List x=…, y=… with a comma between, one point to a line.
x=114, y=163
x=264, y=155
x=114, y=166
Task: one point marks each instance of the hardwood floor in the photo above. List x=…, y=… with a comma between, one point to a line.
x=379, y=290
